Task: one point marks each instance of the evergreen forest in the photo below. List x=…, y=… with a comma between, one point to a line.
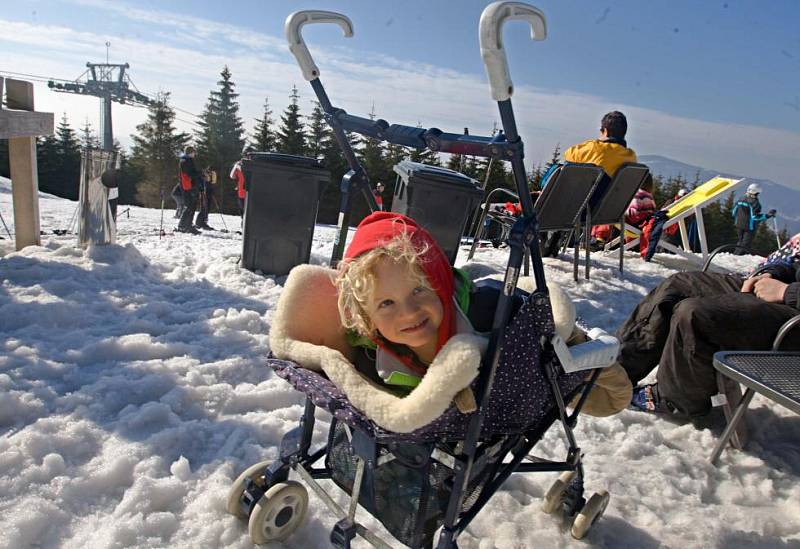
x=149, y=170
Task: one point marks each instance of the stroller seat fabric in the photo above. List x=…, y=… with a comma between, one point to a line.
x=520, y=396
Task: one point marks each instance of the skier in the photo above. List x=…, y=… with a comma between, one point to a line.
x=747, y=214
x=190, y=184
x=177, y=196
x=238, y=175
x=207, y=181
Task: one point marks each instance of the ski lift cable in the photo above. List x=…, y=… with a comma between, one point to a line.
x=40, y=78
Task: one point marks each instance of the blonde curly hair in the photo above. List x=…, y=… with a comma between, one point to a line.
x=356, y=279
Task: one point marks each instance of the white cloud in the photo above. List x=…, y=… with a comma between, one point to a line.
x=402, y=92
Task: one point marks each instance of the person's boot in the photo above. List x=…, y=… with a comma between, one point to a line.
x=646, y=398
x=190, y=230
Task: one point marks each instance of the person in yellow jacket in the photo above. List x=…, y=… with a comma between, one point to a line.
x=609, y=152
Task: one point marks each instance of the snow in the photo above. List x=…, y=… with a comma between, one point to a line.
x=133, y=391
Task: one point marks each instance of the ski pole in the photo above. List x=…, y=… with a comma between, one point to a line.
x=161, y=225
x=777, y=238
x=216, y=203
x=72, y=219
x=6, y=226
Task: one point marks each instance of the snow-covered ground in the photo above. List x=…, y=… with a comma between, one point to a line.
x=133, y=391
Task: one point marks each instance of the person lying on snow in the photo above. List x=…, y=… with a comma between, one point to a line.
x=413, y=328
x=689, y=316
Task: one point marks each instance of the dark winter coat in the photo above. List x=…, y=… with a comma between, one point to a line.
x=190, y=176
x=747, y=213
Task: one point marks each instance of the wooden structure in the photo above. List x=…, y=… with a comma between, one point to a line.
x=691, y=204
x=20, y=124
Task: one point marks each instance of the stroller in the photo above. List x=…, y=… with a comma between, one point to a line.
x=439, y=476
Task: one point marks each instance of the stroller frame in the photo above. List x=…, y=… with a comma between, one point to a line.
x=470, y=455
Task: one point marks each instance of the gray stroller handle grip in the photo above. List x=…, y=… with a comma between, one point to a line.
x=293, y=27
x=491, y=39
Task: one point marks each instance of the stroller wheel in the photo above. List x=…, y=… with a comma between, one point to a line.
x=279, y=512
x=237, y=489
x=592, y=511
x=555, y=495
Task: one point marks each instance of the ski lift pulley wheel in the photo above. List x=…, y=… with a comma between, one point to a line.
x=279, y=512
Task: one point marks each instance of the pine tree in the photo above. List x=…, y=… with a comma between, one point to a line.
x=222, y=137
x=718, y=222
x=48, y=164
x=291, y=136
x=425, y=156
x=332, y=158
x=372, y=157
x=535, y=177
x=128, y=177
x=88, y=138
x=264, y=138
x=455, y=162
x=319, y=132
x=59, y=173
x=154, y=153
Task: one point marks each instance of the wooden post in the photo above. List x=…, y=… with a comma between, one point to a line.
x=21, y=129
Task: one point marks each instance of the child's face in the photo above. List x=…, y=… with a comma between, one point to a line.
x=404, y=312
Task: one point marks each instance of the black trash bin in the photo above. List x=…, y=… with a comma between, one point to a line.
x=440, y=200
x=280, y=210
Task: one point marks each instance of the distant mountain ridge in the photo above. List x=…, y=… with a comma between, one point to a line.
x=773, y=195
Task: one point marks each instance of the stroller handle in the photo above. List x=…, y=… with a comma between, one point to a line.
x=292, y=29
x=491, y=39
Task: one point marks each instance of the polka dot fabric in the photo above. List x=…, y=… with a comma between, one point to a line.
x=520, y=399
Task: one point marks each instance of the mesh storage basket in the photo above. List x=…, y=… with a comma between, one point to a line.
x=408, y=495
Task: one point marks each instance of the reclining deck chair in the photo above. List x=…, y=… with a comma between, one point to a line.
x=677, y=213
x=561, y=202
x=564, y=197
x=612, y=204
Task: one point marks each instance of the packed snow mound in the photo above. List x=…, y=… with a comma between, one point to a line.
x=133, y=390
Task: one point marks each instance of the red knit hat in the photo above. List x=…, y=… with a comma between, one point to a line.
x=379, y=228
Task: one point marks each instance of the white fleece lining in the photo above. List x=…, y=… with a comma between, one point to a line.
x=304, y=331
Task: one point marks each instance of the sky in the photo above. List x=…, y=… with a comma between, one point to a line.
x=714, y=84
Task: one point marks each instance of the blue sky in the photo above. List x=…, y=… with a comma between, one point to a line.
x=712, y=83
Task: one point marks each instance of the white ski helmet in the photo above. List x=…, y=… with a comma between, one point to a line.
x=753, y=188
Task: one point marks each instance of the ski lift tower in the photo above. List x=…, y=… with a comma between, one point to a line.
x=109, y=82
